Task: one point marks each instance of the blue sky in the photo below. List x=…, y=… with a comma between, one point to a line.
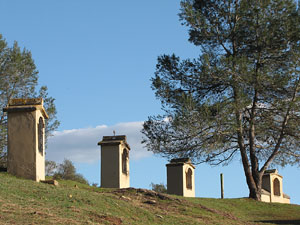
x=97, y=58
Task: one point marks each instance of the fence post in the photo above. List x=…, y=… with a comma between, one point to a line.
x=222, y=185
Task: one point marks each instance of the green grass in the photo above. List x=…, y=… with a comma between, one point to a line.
x=28, y=202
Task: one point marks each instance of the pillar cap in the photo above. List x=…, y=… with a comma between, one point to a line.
x=180, y=162
x=25, y=101
x=26, y=105
x=114, y=140
x=271, y=171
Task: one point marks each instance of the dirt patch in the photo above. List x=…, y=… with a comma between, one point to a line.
x=146, y=192
x=74, y=209
x=105, y=218
x=224, y=214
x=149, y=199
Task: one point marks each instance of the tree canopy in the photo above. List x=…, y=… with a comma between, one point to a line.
x=19, y=79
x=65, y=171
x=160, y=188
x=241, y=97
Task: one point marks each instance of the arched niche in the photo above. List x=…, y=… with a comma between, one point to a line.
x=276, y=187
x=41, y=126
x=188, y=175
x=125, y=157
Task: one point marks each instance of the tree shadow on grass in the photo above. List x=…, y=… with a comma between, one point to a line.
x=280, y=221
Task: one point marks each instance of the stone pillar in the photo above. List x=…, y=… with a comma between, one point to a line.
x=181, y=177
x=114, y=162
x=26, y=138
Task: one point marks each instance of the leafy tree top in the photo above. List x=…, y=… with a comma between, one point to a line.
x=19, y=79
x=241, y=96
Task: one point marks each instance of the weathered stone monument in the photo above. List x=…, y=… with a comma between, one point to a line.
x=26, y=138
x=114, y=162
x=180, y=177
x=272, y=188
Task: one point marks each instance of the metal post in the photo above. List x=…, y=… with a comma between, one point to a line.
x=222, y=186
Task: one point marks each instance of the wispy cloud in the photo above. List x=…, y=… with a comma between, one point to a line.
x=80, y=145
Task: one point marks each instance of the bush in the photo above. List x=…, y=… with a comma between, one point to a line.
x=50, y=167
x=67, y=171
x=161, y=188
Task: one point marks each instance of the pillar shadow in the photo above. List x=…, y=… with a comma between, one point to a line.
x=2, y=169
x=280, y=221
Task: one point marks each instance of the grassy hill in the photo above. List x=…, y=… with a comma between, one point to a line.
x=27, y=202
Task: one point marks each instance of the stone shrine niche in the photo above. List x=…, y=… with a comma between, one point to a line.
x=181, y=177
x=276, y=187
x=41, y=127
x=125, y=158
x=188, y=175
x=114, y=162
x=25, y=138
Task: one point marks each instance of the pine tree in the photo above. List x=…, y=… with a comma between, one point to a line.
x=19, y=79
x=241, y=97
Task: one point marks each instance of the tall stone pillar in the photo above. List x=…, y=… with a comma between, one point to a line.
x=181, y=177
x=114, y=162
x=26, y=138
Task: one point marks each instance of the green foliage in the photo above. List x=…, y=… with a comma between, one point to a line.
x=50, y=168
x=52, y=123
x=241, y=96
x=67, y=171
x=160, y=188
x=80, y=178
x=19, y=79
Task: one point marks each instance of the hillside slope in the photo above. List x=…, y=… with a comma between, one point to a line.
x=27, y=202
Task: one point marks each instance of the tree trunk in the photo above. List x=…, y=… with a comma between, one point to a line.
x=255, y=189
x=254, y=194
x=254, y=180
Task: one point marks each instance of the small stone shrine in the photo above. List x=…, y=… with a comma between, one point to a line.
x=114, y=162
x=26, y=138
x=180, y=177
x=272, y=188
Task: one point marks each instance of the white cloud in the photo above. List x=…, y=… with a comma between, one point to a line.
x=80, y=145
